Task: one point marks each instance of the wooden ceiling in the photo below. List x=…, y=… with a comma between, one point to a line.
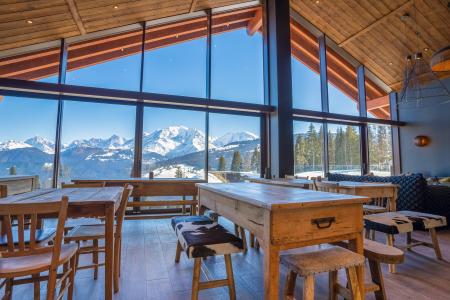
x=372, y=30
x=28, y=22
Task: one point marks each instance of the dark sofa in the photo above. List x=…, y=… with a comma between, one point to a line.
x=414, y=193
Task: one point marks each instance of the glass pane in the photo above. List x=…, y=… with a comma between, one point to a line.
x=97, y=141
x=377, y=99
x=175, y=58
x=308, y=149
x=27, y=137
x=380, y=150
x=344, y=152
x=237, y=58
x=305, y=65
x=41, y=65
x=173, y=144
x=342, y=85
x=234, y=148
x=108, y=62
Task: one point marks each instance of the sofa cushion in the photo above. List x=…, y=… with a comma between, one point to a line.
x=411, y=194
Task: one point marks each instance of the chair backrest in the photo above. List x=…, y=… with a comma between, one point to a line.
x=3, y=191
x=83, y=185
x=128, y=189
x=31, y=211
x=324, y=186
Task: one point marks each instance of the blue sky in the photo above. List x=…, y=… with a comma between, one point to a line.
x=180, y=69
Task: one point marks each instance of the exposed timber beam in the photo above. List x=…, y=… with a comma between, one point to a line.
x=255, y=23
x=375, y=23
x=378, y=103
x=193, y=5
x=76, y=16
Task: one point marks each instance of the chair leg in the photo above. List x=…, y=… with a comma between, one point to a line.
x=434, y=240
x=390, y=242
x=353, y=285
x=236, y=230
x=36, y=287
x=73, y=264
x=332, y=282
x=196, y=278
x=51, y=285
x=252, y=240
x=244, y=238
x=8, y=289
x=95, y=258
x=289, y=286
x=373, y=235
x=308, y=288
x=377, y=278
x=230, y=277
x=408, y=240
x=116, y=263
x=178, y=253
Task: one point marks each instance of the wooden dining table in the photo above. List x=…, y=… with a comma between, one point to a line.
x=84, y=202
x=285, y=218
x=297, y=182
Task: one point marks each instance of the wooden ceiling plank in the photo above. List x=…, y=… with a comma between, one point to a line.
x=28, y=5
x=36, y=21
x=31, y=14
x=376, y=23
x=41, y=28
x=76, y=16
x=193, y=5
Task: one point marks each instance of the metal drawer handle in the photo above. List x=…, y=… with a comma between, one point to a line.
x=323, y=223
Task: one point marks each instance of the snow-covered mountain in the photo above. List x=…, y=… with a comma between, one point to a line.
x=10, y=145
x=42, y=144
x=113, y=142
x=232, y=137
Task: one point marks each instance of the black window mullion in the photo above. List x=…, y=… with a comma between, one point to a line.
x=208, y=87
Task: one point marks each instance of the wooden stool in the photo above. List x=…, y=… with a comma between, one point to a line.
x=328, y=260
x=201, y=237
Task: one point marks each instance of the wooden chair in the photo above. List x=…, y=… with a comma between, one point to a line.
x=82, y=185
x=95, y=233
x=325, y=186
x=24, y=259
x=328, y=260
x=3, y=191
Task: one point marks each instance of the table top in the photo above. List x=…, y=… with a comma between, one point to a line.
x=283, y=181
x=356, y=184
x=142, y=180
x=274, y=197
x=77, y=196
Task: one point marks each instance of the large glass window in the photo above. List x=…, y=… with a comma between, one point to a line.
x=97, y=141
x=342, y=85
x=380, y=150
x=173, y=143
x=344, y=153
x=41, y=65
x=305, y=66
x=27, y=137
x=308, y=149
x=175, y=58
x=108, y=62
x=237, y=57
x=234, y=148
x=377, y=99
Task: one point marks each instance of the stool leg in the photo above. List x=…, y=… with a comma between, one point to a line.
x=435, y=242
x=244, y=238
x=332, y=282
x=196, y=278
x=178, y=253
x=353, y=283
x=230, y=276
x=308, y=288
x=289, y=286
x=377, y=278
x=390, y=242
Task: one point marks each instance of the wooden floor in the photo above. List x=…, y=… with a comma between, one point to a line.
x=149, y=271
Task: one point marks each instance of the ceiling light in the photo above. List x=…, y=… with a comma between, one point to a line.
x=116, y=6
x=390, y=63
x=425, y=49
x=30, y=22
x=317, y=1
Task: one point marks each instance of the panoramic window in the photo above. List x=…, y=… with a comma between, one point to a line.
x=344, y=152
x=28, y=149
x=173, y=143
x=108, y=62
x=308, y=149
x=305, y=66
x=342, y=85
x=175, y=58
x=237, y=56
x=41, y=65
x=380, y=150
x=234, y=148
x=97, y=141
x=377, y=99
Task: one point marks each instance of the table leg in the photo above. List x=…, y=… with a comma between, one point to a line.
x=271, y=272
x=357, y=245
x=109, y=251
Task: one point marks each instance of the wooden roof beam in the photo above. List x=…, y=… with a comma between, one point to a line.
x=376, y=103
x=375, y=23
x=76, y=16
x=255, y=23
x=193, y=5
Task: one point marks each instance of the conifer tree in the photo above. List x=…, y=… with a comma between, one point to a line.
x=12, y=170
x=236, y=163
x=179, y=172
x=222, y=164
x=255, y=162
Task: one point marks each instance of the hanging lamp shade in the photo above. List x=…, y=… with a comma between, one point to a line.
x=440, y=61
